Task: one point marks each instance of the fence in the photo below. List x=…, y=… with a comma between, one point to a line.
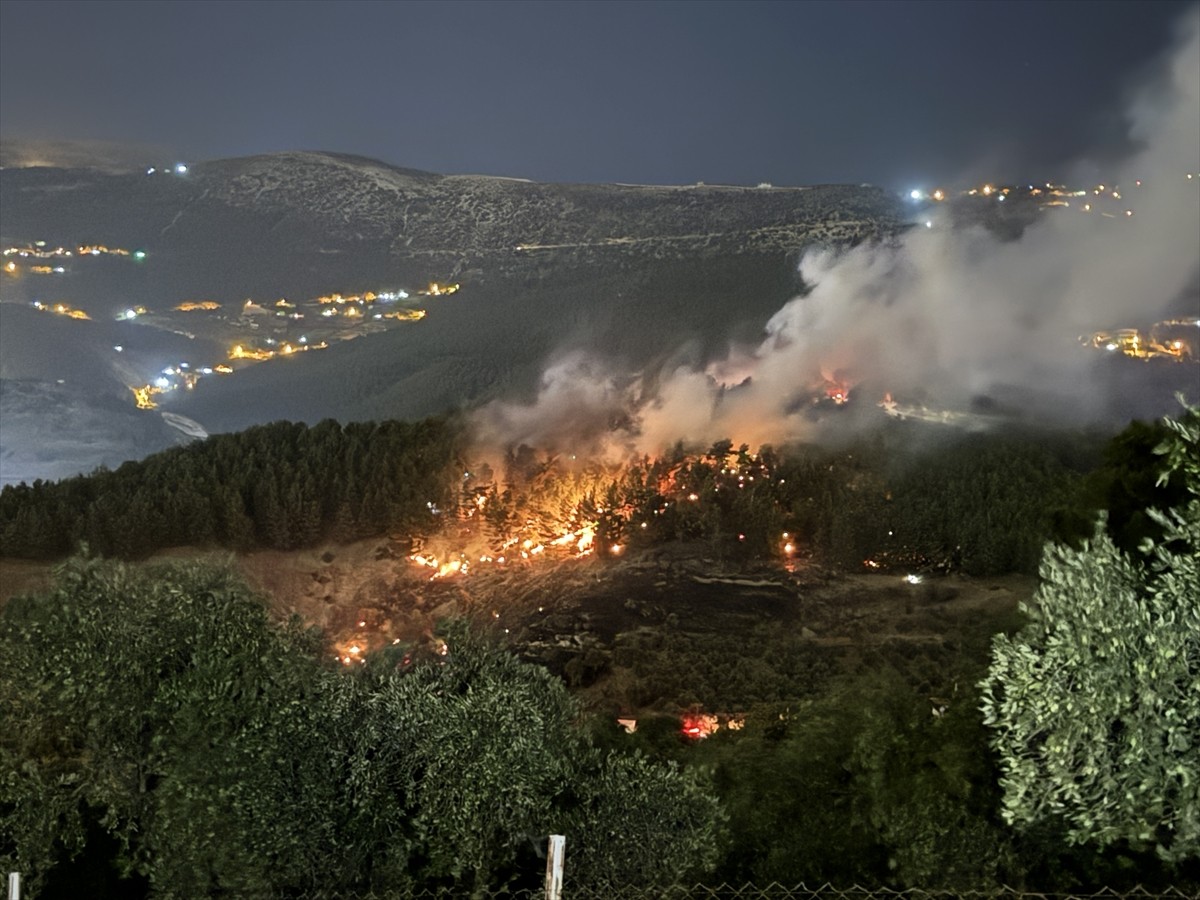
x=727, y=892
x=767, y=892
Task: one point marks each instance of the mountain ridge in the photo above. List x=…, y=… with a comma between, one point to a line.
x=633, y=274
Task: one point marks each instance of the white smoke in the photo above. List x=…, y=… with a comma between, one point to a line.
x=946, y=315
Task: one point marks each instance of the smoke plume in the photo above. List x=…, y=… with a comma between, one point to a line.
x=945, y=316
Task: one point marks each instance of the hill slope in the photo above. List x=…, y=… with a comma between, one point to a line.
x=635, y=274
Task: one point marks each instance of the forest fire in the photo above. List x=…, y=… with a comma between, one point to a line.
x=836, y=388
x=837, y=394
x=564, y=509
x=696, y=726
x=572, y=545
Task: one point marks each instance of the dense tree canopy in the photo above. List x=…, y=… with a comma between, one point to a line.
x=283, y=486
x=1095, y=703
x=900, y=499
x=157, y=718
x=163, y=706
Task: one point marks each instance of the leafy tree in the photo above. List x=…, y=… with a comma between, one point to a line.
x=1095, y=703
x=627, y=805
x=159, y=709
x=865, y=786
x=161, y=700
x=925, y=783
x=493, y=749
x=791, y=801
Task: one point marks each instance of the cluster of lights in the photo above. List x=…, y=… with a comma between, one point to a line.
x=61, y=309
x=1174, y=339
x=353, y=306
x=1050, y=195
x=39, y=251
x=439, y=290
x=358, y=306
x=170, y=379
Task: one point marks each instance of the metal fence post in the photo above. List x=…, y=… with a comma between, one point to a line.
x=554, y=866
x=14, y=886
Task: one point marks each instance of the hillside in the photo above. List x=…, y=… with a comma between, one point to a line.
x=657, y=632
x=637, y=274
x=267, y=213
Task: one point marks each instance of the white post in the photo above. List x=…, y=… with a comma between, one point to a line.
x=14, y=886
x=554, y=866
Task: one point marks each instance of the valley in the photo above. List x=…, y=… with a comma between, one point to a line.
x=448, y=292
x=750, y=447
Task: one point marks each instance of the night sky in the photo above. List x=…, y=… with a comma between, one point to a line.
x=891, y=93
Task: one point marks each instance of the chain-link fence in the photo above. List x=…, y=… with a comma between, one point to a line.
x=765, y=892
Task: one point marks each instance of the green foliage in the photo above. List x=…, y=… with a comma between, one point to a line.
x=283, y=486
x=493, y=749
x=1127, y=484
x=223, y=758
x=162, y=699
x=627, y=803
x=926, y=784
x=867, y=786
x=984, y=503
x=1095, y=704
x=981, y=503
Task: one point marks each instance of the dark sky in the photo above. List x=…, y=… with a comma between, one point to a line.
x=892, y=93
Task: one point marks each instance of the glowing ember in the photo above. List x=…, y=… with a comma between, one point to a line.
x=698, y=726
x=551, y=507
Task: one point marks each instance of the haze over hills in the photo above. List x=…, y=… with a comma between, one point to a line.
x=688, y=311
x=637, y=273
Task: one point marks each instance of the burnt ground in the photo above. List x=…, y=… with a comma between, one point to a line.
x=665, y=629
x=660, y=631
